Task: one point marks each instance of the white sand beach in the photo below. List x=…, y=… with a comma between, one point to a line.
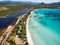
x=29, y=39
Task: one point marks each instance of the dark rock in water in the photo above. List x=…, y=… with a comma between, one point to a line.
x=52, y=14
x=36, y=12
x=36, y=16
x=42, y=22
x=57, y=19
x=54, y=19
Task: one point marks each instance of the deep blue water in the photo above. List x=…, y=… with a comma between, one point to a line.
x=4, y=22
x=19, y=13
x=44, y=26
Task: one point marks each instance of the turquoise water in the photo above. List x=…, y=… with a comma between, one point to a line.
x=44, y=26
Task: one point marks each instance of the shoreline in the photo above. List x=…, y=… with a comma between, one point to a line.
x=29, y=39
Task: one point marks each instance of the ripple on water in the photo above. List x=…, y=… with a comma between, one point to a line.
x=44, y=26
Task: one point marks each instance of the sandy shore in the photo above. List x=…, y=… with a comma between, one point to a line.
x=18, y=41
x=29, y=39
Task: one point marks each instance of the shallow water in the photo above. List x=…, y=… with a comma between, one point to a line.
x=44, y=26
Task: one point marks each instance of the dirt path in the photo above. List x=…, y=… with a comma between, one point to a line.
x=18, y=41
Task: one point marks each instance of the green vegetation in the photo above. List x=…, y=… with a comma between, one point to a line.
x=5, y=43
x=20, y=32
x=20, y=28
x=14, y=7
x=11, y=10
x=3, y=8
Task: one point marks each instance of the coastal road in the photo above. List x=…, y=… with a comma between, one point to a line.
x=4, y=22
x=7, y=32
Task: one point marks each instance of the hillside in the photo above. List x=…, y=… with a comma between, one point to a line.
x=12, y=7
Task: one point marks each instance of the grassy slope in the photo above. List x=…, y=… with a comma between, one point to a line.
x=11, y=10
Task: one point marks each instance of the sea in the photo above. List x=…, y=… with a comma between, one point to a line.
x=44, y=26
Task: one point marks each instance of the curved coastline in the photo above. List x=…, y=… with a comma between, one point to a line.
x=29, y=39
x=51, y=33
